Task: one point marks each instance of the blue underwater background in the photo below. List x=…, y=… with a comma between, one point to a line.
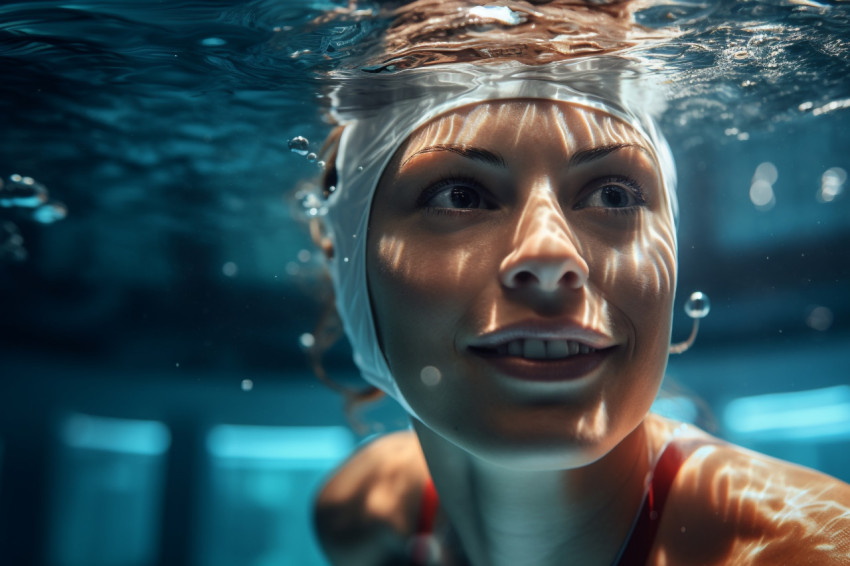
x=157, y=293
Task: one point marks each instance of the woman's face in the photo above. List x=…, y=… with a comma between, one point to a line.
x=522, y=266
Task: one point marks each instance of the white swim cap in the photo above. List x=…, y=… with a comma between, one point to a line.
x=379, y=112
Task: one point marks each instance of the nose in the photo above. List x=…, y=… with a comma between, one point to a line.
x=544, y=256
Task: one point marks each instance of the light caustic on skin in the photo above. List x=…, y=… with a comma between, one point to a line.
x=765, y=509
x=518, y=213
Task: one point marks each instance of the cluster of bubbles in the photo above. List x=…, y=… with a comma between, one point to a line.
x=301, y=146
x=831, y=184
x=308, y=197
x=25, y=196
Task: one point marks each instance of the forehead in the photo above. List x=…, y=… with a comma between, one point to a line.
x=528, y=124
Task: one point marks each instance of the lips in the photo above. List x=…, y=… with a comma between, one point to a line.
x=544, y=353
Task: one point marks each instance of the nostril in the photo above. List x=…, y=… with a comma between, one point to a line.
x=524, y=278
x=546, y=276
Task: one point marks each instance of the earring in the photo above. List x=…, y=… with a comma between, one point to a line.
x=697, y=307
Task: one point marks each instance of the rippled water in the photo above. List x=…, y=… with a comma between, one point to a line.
x=103, y=80
x=151, y=123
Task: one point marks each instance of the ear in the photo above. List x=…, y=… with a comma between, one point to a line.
x=321, y=239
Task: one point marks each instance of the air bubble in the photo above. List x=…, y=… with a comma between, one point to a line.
x=762, y=195
x=766, y=171
x=311, y=201
x=698, y=305
x=430, y=376
x=820, y=318
x=230, y=269
x=247, y=385
x=307, y=340
x=299, y=145
x=312, y=157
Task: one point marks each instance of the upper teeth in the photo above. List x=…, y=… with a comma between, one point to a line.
x=543, y=349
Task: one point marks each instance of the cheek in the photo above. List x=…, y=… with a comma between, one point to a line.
x=419, y=291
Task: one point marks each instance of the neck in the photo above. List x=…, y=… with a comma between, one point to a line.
x=505, y=516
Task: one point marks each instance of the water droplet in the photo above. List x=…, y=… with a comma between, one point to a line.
x=247, y=385
x=299, y=145
x=230, y=269
x=698, y=305
x=213, y=42
x=307, y=340
x=430, y=376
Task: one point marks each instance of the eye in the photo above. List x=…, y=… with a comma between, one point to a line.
x=614, y=193
x=453, y=194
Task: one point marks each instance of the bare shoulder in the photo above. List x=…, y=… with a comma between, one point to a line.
x=368, y=508
x=729, y=505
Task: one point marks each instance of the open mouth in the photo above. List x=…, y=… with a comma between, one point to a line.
x=538, y=359
x=536, y=349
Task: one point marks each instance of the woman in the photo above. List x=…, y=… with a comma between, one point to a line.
x=502, y=243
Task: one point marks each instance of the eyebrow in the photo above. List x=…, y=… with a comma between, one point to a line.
x=469, y=152
x=594, y=153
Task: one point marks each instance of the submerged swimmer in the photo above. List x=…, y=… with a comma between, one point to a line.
x=502, y=245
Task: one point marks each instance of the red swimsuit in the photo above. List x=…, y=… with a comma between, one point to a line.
x=637, y=547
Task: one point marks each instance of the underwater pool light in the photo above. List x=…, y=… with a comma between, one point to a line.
x=115, y=435
x=285, y=446
x=801, y=415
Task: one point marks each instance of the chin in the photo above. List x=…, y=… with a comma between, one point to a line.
x=538, y=452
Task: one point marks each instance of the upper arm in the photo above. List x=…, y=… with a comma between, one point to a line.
x=366, y=512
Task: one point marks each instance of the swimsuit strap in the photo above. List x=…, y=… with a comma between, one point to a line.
x=642, y=537
x=428, y=506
